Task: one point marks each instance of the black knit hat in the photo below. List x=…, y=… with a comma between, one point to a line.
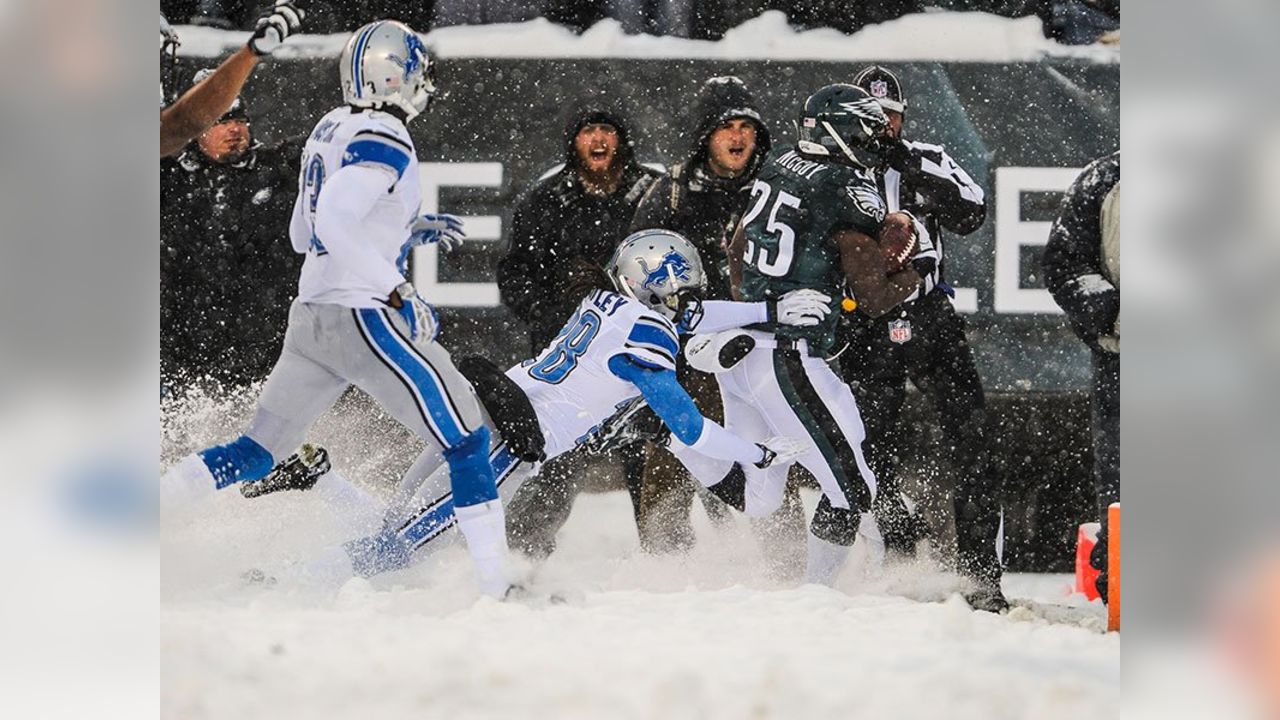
x=883, y=86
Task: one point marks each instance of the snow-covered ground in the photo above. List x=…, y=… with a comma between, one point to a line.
x=703, y=636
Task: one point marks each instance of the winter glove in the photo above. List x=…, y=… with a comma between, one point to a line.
x=634, y=422
x=896, y=154
x=443, y=229
x=273, y=28
x=1092, y=305
x=804, y=308
x=418, y=314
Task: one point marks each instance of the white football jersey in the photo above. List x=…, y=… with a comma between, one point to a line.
x=569, y=383
x=348, y=136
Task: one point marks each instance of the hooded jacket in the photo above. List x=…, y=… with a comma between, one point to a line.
x=695, y=202
x=558, y=221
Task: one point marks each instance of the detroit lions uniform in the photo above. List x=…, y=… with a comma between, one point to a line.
x=573, y=385
x=570, y=384
x=340, y=330
x=784, y=386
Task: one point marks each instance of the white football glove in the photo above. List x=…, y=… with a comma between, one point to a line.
x=803, y=308
x=718, y=352
x=443, y=229
x=274, y=27
x=781, y=451
x=418, y=314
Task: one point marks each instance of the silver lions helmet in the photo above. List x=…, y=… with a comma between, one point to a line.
x=660, y=269
x=385, y=63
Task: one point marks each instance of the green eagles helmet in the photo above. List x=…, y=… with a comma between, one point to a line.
x=844, y=123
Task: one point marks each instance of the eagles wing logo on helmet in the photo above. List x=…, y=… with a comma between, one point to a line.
x=865, y=107
x=673, y=265
x=867, y=200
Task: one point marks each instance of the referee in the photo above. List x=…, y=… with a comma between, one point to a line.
x=923, y=340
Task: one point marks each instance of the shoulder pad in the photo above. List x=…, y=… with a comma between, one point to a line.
x=652, y=339
x=378, y=145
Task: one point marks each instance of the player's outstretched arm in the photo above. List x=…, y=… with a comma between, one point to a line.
x=673, y=405
x=864, y=268
x=802, y=307
x=203, y=104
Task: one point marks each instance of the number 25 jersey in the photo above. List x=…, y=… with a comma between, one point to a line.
x=797, y=205
x=569, y=383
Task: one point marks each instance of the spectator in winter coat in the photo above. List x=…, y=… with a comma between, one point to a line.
x=225, y=204
x=1082, y=271
x=582, y=210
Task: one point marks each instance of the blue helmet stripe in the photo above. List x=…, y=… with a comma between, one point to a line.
x=357, y=58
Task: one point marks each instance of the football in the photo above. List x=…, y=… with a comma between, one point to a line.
x=898, y=241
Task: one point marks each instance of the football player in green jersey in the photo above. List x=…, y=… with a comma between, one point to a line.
x=811, y=223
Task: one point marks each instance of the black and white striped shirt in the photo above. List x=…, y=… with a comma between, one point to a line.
x=939, y=193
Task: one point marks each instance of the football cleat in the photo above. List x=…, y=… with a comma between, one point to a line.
x=299, y=472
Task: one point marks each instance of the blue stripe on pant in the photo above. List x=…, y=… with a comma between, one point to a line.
x=429, y=392
x=391, y=550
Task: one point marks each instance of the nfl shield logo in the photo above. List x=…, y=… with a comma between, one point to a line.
x=900, y=331
x=879, y=88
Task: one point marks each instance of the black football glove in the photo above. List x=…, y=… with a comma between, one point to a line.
x=275, y=27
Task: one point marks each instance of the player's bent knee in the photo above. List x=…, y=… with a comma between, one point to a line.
x=470, y=473
x=242, y=460
x=764, y=495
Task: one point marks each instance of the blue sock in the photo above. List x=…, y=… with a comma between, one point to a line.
x=242, y=460
x=469, y=470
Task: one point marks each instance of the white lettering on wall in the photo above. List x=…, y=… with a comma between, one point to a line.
x=426, y=261
x=1013, y=234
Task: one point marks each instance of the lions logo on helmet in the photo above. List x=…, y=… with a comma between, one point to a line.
x=674, y=266
x=655, y=267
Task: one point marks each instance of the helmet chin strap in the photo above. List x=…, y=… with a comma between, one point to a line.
x=623, y=287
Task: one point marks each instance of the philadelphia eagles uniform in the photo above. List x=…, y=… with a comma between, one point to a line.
x=784, y=386
x=797, y=205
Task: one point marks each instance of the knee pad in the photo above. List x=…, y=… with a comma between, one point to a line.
x=242, y=460
x=469, y=471
x=718, y=352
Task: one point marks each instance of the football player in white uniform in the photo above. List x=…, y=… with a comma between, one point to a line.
x=209, y=99
x=620, y=344
x=356, y=320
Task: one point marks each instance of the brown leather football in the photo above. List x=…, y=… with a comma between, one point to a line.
x=898, y=241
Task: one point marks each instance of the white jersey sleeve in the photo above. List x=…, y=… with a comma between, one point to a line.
x=651, y=342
